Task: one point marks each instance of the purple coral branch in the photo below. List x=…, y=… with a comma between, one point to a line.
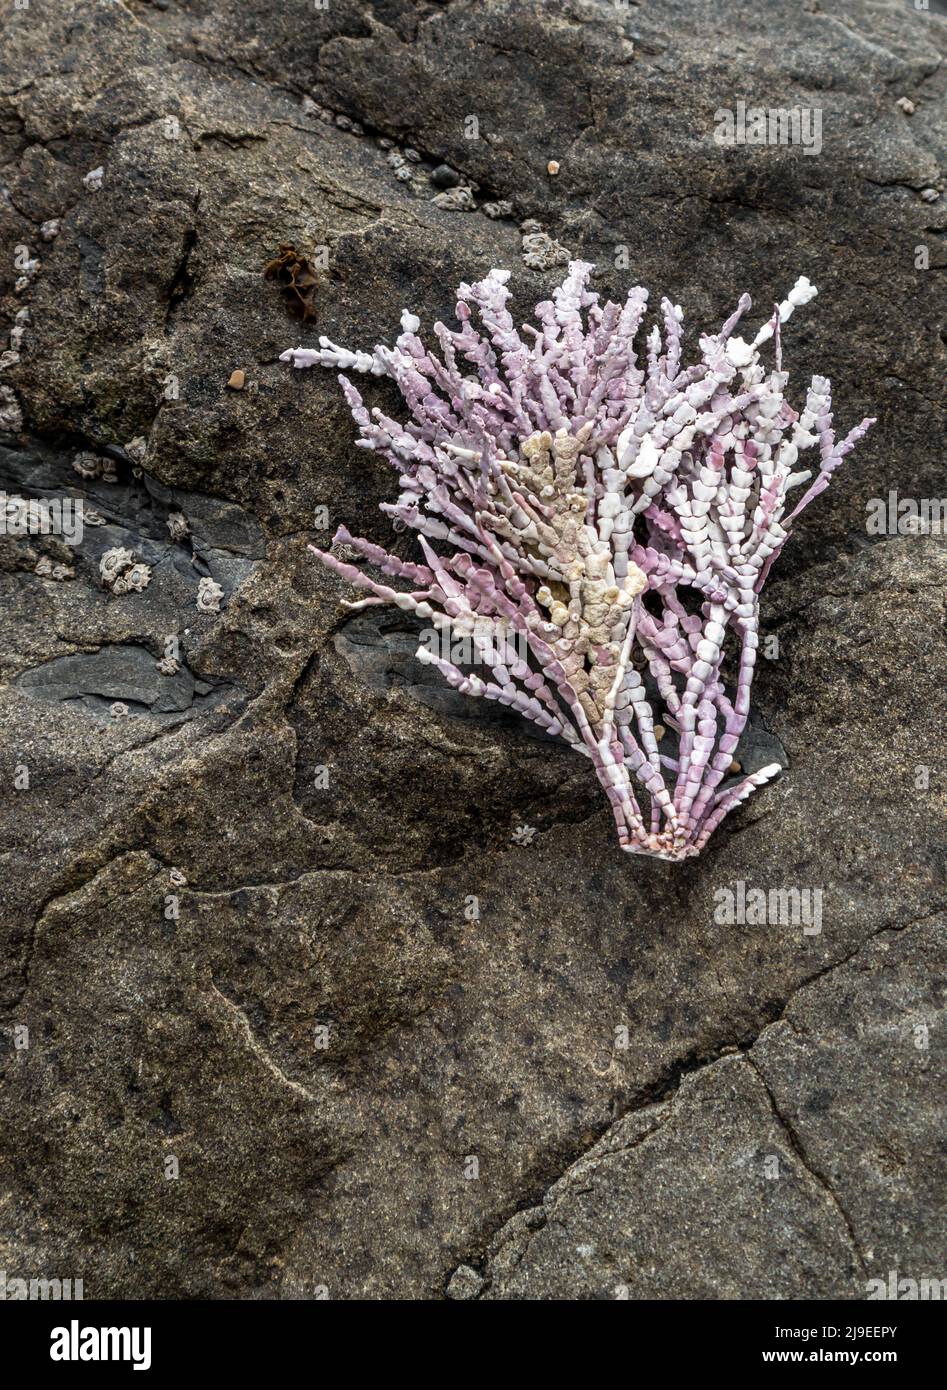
x=596, y=531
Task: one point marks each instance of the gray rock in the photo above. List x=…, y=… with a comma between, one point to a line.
x=869, y=1029
x=126, y=672
x=700, y=1197
x=765, y=1175
x=465, y=1283
x=373, y=1032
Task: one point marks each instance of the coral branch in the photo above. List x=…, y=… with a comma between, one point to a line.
x=597, y=534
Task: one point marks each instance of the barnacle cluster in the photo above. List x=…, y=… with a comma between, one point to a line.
x=121, y=573
x=48, y=569
x=89, y=465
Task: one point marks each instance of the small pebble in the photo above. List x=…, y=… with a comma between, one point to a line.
x=237, y=380
x=658, y=732
x=906, y=105
x=735, y=766
x=552, y=167
x=465, y=1283
x=445, y=177
x=930, y=195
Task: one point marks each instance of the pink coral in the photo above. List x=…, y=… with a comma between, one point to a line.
x=599, y=529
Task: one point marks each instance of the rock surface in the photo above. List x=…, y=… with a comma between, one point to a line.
x=371, y=1046
x=767, y=1161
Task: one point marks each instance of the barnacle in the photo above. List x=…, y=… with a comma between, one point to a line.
x=11, y=416
x=113, y=562
x=209, y=595
x=599, y=528
x=178, y=528
x=138, y=577
x=87, y=465
x=137, y=449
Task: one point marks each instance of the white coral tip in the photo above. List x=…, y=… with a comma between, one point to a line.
x=739, y=352
x=802, y=291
